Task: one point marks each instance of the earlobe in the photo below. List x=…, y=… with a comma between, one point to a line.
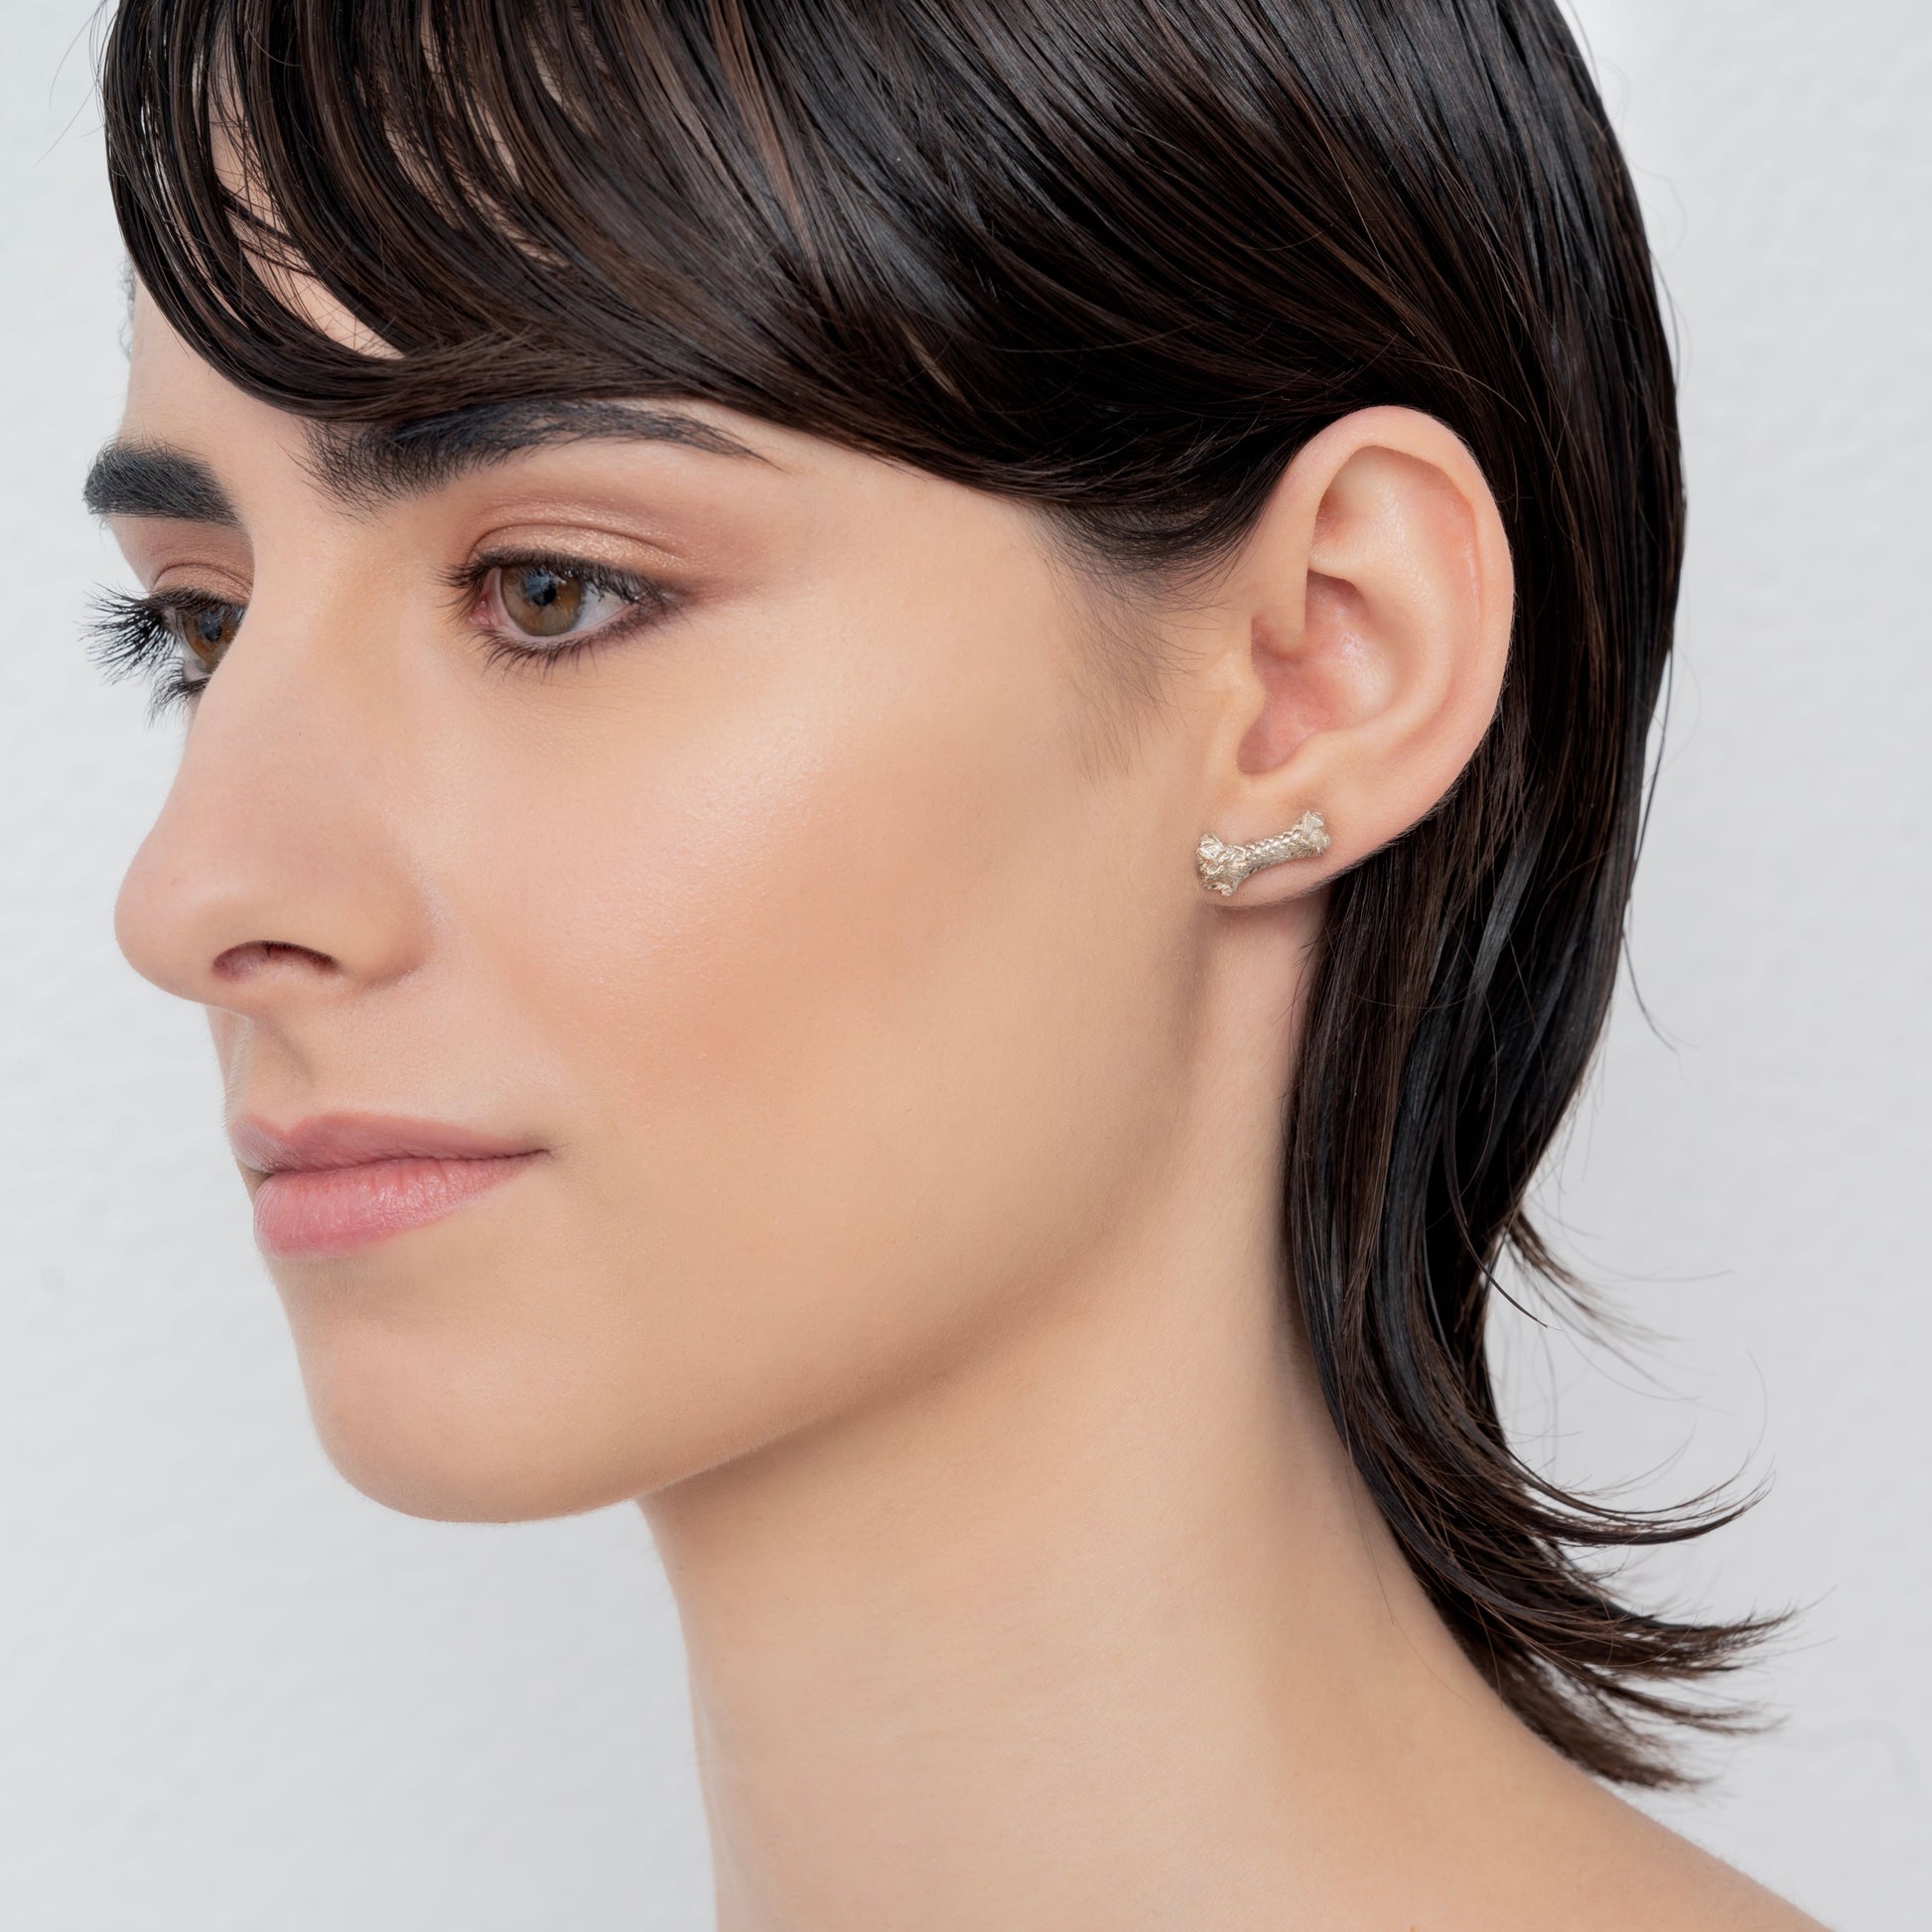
x=1368, y=620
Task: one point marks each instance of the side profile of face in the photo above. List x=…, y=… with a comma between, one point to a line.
x=767, y=880
x=767, y=868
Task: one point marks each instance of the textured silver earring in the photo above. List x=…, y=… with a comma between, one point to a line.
x=1223, y=867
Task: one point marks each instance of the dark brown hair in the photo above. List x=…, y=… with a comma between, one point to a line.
x=1121, y=259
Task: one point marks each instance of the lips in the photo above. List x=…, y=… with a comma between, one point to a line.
x=337, y=1183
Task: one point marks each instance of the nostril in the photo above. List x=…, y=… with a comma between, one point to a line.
x=243, y=962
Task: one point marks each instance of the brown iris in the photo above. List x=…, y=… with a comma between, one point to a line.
x=208, y=630
x=544, y=603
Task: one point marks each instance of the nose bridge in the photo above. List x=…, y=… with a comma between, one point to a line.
x=277, y=867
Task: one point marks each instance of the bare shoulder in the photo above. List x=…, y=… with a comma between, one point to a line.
x=1543, y=1846
x=1665, y=1884
x=1720, y=1898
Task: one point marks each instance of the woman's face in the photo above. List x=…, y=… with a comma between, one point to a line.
x=750, y=842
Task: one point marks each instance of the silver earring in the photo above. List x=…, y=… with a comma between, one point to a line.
x=1223, y=867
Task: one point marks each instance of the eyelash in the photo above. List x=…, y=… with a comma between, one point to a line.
x=645, y=600
x=134, y=637
x=138, y=636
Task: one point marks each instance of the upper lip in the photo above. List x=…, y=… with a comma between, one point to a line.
x=357, y=1140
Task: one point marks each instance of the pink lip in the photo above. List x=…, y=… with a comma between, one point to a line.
x=338, y=1181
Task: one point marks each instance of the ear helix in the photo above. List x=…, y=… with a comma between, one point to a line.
x=1223, y=867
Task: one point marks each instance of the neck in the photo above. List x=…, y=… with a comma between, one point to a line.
x=1095, y=1625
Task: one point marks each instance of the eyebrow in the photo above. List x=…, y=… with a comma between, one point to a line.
x=156, y=480
x=364, y=466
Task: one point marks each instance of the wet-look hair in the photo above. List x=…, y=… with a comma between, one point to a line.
x=1119, y=259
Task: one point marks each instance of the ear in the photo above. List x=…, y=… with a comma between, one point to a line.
x=1366, y=626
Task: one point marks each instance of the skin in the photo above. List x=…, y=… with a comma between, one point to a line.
x=903, y=1238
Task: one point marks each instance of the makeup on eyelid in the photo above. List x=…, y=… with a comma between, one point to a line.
x=528, y=604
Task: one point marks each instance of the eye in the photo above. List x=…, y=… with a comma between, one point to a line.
x=204, y=629
x=545, y=607
x=171, y=640
x=549, y=602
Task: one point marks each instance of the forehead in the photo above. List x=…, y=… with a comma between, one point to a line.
x=175, y=396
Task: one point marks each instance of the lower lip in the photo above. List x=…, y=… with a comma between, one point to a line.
x=336, y=1210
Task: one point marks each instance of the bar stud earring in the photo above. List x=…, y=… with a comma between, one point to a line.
x=1223, y=867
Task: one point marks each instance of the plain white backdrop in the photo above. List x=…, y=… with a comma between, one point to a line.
x=235, y=1695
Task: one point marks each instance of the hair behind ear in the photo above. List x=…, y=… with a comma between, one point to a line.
x=1433, y=1073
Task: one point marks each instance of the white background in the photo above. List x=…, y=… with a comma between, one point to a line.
x=234, y=1695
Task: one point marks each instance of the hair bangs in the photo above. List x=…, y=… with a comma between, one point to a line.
x=394, y=209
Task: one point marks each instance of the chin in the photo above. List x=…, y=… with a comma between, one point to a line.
x=457, y=1429
x=455, y=1482
x=450, y=1463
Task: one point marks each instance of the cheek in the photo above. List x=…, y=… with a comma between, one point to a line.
x=863, y=1020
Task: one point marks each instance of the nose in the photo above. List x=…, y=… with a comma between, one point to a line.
x=277, y=873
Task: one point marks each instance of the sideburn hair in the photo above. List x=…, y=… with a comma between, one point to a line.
x=1120, y=259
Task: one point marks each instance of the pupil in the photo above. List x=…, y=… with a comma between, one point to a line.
x=542, y=602
x=210, y=630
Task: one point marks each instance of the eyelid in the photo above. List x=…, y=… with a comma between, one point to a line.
x=597, y=571
x=200, y=577
x=195, y=596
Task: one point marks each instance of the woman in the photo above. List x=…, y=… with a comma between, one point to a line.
x=917, y=739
